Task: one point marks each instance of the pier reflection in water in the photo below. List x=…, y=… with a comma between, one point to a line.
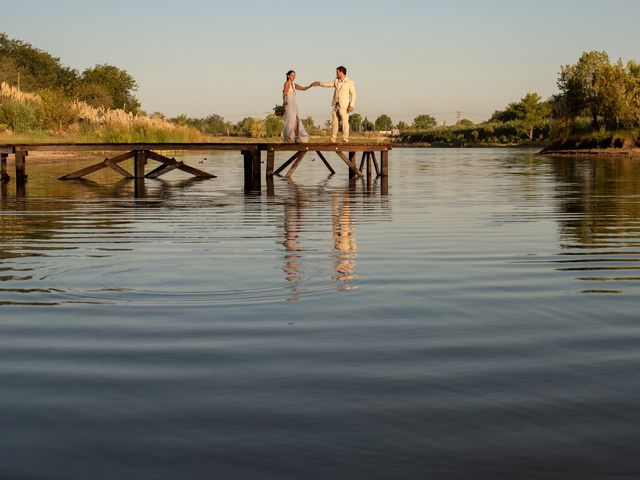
x=475, y=319
x=356, y=203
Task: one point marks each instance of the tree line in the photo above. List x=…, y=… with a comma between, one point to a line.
x=35, y=70
x=595, y=96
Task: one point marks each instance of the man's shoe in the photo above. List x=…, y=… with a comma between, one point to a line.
x=344, y=140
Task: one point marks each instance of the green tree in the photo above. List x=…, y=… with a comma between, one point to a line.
x=94, y=94
x=465, y=122
x=367, y=126
x=251, y=127
x=117, y=82
x=181, y=120
x=633, y=68
x=532, y=111
x=258, y=129
x=214, y=125
x=274, y=126
x=383, y=123
x=402, y=126
x=8, y=70
x=278, y=111
x=424, y=122
x=243, y=127
x=355, y=122
x=578, y=84
x=309, y=125
x=37, y=68
x=618, y=91
x=528, y=112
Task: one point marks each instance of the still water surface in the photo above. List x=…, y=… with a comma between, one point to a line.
x=478, y=320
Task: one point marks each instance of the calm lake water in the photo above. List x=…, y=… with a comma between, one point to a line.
x=477, y=321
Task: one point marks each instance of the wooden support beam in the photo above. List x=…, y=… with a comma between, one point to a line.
x=21, y=166
x=271, y=160
x=326, y=164
x=4, y=176
x=352, y=162
x=353, y=171
x=375, y=163
x=98, y=166
x=287, y=163
x=295, y=165
x=362, y=160
x=162, y=169
x=118, y=168
x=369, y=168
x=171, y=161
x=194, y=171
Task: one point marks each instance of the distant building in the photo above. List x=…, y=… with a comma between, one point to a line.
x=390, y=133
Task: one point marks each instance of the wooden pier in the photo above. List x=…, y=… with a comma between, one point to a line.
x=141, y=153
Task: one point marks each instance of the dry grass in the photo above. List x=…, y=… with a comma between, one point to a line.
x=103, y=124
x=14, y=94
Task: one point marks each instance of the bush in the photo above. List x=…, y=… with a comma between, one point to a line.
x=21, y=117
x=55, y=111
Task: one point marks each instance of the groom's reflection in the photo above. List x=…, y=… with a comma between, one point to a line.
x=344, y=241
x=306, y=212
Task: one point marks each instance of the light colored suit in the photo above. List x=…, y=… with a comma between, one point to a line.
x=344, y=96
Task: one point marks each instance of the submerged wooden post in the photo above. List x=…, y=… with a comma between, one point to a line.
x=271, y=160
x=271, y=189
x=139, y=160
x=139, y=188
x=384, y=163
x=256, y=168
x=21, y=174
x=4, y=176
x=251, y=170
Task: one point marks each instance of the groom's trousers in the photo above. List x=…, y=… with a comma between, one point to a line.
x=342, y=114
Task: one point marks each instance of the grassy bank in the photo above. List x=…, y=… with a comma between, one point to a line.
x=597, y=142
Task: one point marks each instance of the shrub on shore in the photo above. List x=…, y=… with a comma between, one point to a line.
x=50, y=111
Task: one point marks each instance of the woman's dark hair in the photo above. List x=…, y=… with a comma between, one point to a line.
x=289, y=73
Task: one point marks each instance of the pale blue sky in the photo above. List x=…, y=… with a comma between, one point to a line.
x=407, y=57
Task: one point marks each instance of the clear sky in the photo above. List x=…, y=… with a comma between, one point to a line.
x=407, y=57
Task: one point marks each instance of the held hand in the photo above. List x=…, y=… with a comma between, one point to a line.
x=350, y=109
x=315, y=84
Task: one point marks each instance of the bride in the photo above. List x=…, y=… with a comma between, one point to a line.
x=293, y=128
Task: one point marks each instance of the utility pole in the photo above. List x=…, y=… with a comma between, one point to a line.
x=458, y=113
x=18, y=81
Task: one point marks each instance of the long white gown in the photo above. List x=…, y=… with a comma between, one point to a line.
x=293, y=128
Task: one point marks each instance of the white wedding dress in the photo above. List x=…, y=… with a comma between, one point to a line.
x=293, y=128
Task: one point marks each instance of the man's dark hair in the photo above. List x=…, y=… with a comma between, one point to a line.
x=342, y=69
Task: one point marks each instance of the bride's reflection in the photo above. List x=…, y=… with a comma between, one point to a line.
x=306, y=214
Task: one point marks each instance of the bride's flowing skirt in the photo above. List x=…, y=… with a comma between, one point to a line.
x=293, y=128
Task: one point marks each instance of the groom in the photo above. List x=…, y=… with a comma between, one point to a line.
x=343, y=103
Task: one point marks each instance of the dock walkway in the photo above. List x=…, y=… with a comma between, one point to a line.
x=141, y=153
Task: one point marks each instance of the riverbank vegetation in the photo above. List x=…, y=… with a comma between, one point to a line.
x=598, y=106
